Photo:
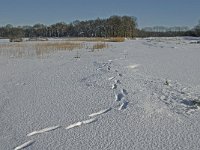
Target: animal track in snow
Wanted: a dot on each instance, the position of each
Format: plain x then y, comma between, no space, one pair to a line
43,130
179,102
117,81
74,125
99,69
20,84
24,145
120,74
108,67
123,105
133,66
78,124
100,112
101,66
178,98
163,97
111,78
114,86
123,91
89,121
118,97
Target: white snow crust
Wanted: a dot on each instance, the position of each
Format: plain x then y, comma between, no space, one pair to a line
151,106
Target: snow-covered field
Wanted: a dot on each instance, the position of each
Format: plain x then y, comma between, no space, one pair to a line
138,94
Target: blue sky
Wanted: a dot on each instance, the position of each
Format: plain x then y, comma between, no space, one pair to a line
147,12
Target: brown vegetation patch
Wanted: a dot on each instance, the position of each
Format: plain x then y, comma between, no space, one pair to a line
37,48
99,46
64,45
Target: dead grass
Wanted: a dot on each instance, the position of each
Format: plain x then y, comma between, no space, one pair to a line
65,45
99,46
12,46
17,50
58,45
40,48
43,48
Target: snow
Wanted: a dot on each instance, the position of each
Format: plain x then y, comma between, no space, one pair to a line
43,130
4,41
59,92
24,145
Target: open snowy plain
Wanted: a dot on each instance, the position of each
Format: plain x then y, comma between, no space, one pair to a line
137,94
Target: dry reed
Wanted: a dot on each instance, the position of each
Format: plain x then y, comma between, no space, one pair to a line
99,46
40,48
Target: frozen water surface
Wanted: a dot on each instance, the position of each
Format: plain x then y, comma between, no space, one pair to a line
140,112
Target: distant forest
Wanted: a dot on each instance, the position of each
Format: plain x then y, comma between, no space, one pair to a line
114,26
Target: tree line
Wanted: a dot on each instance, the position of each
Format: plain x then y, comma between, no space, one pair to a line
161,31
114,26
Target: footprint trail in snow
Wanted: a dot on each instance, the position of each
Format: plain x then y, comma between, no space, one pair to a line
90,121
74,125
43,130
100,112
24,145
114,86
80,123
118,96
123,105
124,92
